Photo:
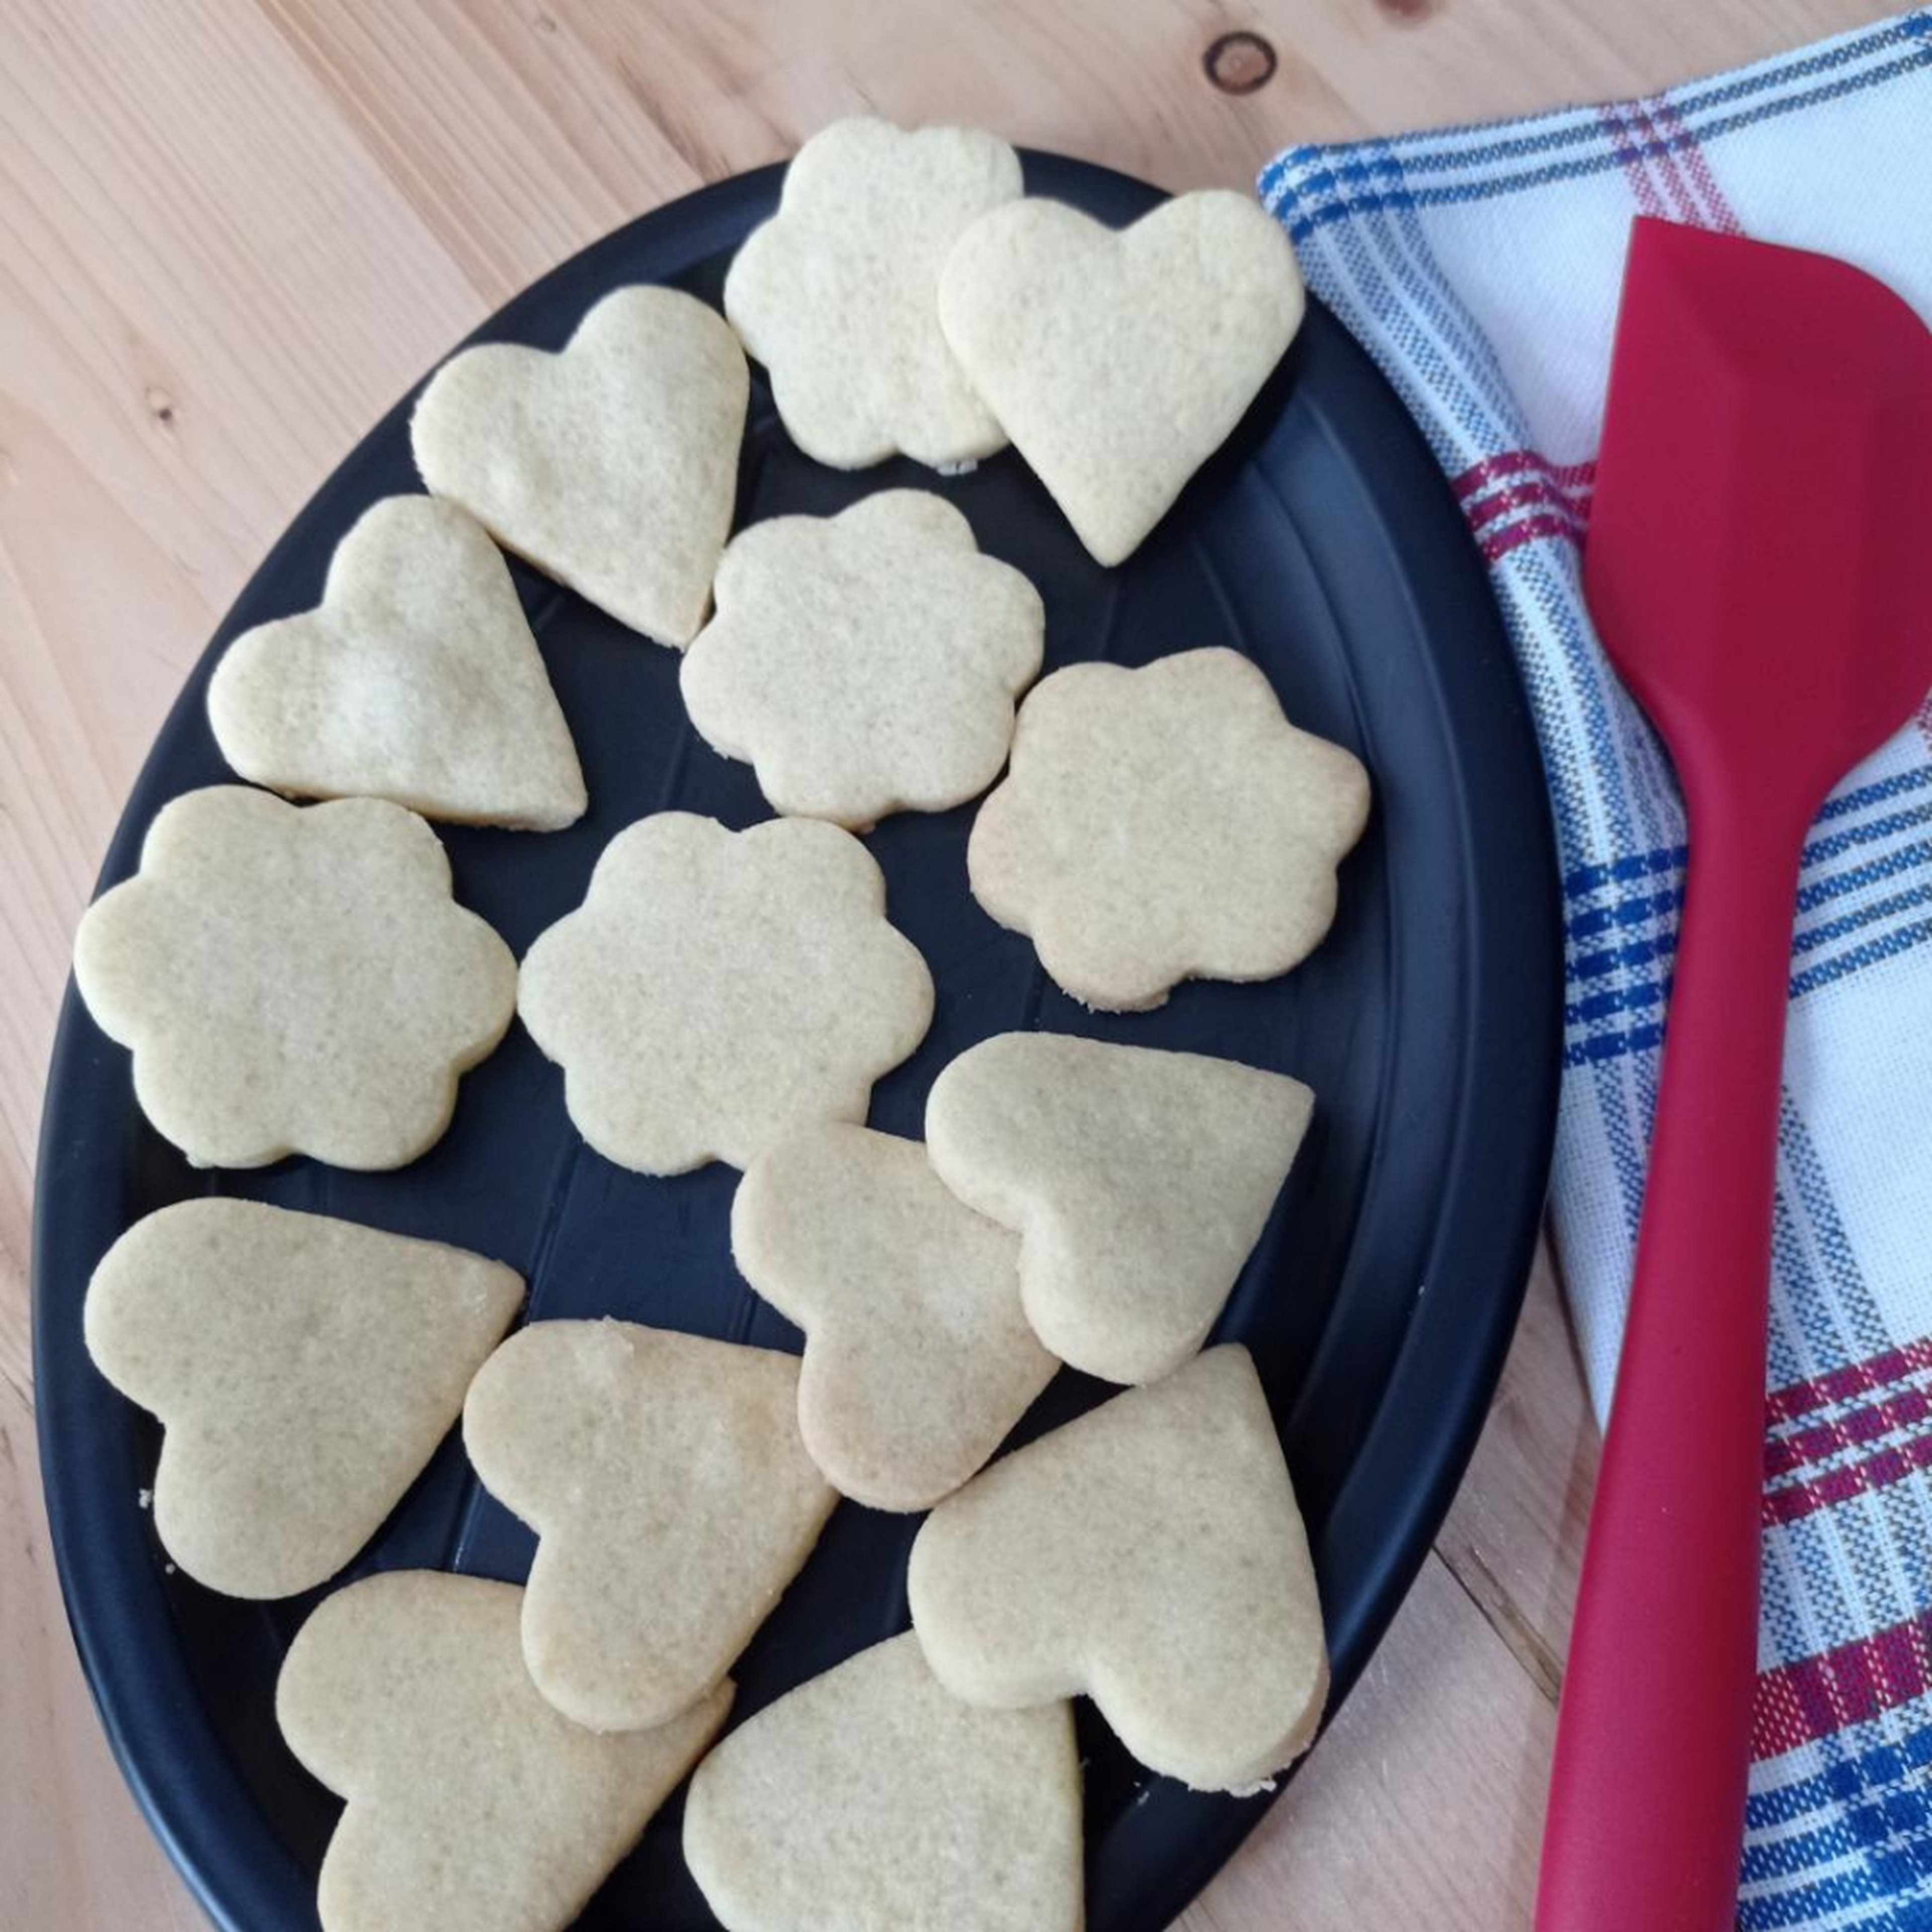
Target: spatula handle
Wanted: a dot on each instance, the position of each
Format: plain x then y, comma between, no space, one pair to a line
1647,1798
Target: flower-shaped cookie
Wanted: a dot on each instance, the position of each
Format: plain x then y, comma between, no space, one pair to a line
1165,824
611,465
837,294
867,662
294,980
718,988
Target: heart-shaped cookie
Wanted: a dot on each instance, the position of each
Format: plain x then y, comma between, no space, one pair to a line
610,465
918,1358
1119,361
868,1800
1151,1555
473,1806
673,1499
303,1369
415,679
1139,1182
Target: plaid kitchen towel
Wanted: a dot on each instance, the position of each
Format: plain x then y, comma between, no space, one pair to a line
1480,267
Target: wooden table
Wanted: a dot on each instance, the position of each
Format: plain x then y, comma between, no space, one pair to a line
232,232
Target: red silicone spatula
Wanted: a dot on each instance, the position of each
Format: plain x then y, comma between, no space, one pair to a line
1759,566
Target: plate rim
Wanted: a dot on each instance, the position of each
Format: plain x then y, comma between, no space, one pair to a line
1454,1361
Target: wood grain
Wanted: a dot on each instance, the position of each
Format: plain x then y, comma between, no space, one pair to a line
232,231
